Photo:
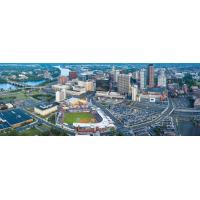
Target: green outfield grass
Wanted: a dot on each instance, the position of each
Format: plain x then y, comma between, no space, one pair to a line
79,117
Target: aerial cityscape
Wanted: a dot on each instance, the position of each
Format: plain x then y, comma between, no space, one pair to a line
100,99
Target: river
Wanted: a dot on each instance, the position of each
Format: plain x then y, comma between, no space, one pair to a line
64,71
8,86
34,83
187,128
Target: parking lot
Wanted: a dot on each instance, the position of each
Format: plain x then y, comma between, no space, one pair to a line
182,102
131,113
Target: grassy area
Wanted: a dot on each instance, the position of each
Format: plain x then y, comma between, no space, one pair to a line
7,99
48,132
21,96
79,117
30,132
17,96
43,97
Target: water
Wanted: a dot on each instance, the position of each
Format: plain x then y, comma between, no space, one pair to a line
187,128
7,86
64,71
34,83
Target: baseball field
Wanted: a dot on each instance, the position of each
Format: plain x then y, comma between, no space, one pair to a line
79,117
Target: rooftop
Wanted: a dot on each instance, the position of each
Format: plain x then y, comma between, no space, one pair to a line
47,106
156,89
11,117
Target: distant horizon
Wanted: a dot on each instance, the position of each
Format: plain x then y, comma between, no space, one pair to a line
136,65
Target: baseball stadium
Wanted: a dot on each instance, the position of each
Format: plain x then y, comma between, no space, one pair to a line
84,118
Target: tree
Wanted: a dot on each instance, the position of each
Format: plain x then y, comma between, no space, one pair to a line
119,134
189,80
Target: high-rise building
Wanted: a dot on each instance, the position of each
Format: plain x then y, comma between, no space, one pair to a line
136,75
151,76
124,84
116,74
72,75
62,80
162,80
60,95
143,79
134,90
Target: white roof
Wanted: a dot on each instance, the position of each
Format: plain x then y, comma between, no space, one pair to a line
106,122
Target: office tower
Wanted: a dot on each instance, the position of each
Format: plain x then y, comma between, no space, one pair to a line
143,79
62,80
113,70
72,75
136,75
124,84
116,74
60,95
134,90
151,76
162,80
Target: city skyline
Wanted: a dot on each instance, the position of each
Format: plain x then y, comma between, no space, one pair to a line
100,98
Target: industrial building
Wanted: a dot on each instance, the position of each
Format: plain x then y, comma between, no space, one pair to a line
14,118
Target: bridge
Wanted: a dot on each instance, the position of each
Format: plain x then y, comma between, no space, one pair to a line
17,84
23,85
186,113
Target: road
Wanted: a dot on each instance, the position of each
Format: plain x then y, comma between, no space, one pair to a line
120,126
189,110
43,121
